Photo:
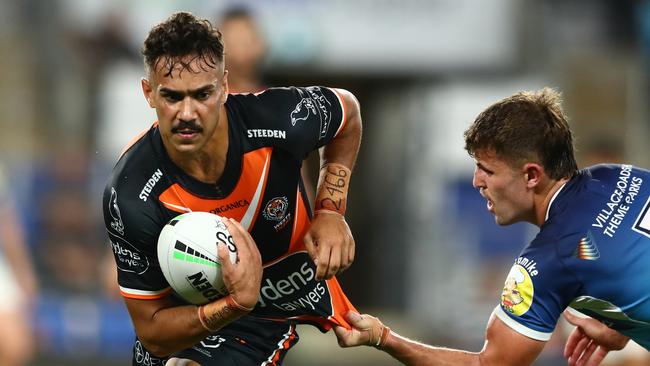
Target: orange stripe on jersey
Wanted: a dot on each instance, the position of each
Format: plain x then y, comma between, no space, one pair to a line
137,138
300,225
340,303
142,296
242,204
344,112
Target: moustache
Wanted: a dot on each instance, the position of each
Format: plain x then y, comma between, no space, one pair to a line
187,126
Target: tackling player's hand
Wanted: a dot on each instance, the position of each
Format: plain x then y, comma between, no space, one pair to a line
366,331
330,244
242,279
590,341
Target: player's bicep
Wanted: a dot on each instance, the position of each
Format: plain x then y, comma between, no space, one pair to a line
505,346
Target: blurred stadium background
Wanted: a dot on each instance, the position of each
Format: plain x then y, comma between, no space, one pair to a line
430,260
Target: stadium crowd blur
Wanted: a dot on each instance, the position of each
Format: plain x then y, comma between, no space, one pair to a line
429,257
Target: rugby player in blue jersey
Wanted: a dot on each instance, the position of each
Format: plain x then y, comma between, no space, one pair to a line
591,253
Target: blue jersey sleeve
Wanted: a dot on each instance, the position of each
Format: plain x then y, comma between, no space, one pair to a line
537,289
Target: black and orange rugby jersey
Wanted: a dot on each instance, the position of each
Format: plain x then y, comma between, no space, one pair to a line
270,133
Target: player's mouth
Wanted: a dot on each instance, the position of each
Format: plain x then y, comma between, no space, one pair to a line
490,205
187,131
187,134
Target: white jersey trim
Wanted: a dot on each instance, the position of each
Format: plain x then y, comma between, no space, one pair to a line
548,209
520,328
341,103
132,291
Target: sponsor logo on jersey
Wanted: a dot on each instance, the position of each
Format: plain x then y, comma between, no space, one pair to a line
314,104
148,187
294,292
518,291
114,210
642,223
229,206
276,134
276,210
587,248
128,258
620,201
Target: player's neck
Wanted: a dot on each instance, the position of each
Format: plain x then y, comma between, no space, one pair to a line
544,200
208,164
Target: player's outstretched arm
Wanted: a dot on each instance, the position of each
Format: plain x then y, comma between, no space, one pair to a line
329,240
503,346
590,341
165,328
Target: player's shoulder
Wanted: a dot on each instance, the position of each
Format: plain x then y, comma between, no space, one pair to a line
612,173
137,157
138,171
130,205
283,97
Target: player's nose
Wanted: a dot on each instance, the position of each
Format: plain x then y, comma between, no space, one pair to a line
477,180
188,110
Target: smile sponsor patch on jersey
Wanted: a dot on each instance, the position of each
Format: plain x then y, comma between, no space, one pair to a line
518,291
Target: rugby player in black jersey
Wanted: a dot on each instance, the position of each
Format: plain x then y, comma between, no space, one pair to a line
238,156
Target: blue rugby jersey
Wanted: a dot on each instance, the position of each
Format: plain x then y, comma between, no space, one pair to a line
592,254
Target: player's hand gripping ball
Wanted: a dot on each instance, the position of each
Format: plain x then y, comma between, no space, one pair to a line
187,252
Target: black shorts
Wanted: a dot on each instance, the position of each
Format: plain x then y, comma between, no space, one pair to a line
247,341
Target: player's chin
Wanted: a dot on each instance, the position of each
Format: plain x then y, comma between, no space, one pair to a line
503,221
186,147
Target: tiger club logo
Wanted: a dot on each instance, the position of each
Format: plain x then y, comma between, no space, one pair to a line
276,210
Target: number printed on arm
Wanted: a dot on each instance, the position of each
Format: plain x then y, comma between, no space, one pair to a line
333,188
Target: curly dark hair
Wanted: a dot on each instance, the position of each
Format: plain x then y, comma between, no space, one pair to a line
181,35
527,126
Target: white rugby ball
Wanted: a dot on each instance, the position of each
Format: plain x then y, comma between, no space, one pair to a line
187,252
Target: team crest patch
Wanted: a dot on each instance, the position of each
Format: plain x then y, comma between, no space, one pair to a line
276,209
518,291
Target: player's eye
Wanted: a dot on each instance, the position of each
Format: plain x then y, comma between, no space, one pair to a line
202,95
172,97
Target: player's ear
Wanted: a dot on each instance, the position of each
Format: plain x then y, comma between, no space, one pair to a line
224,87
147,90
533,173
